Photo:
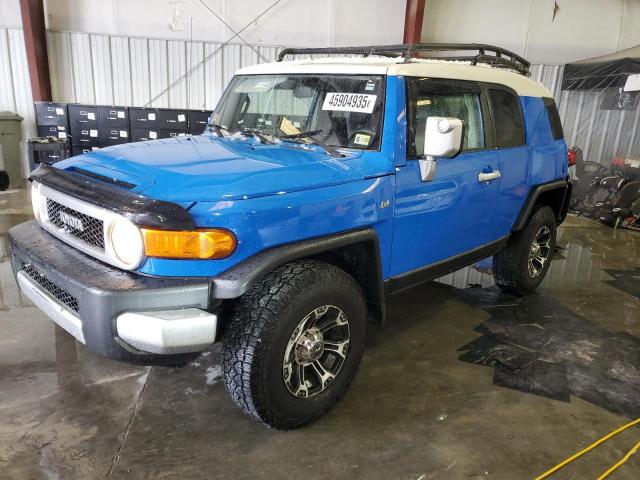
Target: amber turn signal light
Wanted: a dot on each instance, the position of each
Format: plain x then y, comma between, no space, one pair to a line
198,244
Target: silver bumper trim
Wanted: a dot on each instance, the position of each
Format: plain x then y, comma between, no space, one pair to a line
59,314
168,331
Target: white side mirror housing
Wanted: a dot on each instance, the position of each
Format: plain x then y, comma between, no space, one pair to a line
442,137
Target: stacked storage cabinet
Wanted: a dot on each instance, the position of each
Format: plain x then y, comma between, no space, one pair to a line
113,125
198,120
52,119
90,127
144,124
83,121
172,122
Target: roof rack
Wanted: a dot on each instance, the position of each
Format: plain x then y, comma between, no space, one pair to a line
486,54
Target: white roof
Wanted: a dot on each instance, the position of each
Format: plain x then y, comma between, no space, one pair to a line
395,66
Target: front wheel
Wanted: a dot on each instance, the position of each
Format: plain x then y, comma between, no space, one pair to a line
294,343
523,263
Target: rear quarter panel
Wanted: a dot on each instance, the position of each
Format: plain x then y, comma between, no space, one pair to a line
542,160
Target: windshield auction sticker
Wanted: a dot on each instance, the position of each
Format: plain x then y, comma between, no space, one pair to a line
349,102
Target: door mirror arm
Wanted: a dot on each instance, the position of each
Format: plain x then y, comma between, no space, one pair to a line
427,167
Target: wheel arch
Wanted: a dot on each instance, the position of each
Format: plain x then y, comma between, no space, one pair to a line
555,194
357,252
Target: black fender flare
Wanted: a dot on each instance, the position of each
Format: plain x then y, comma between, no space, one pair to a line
236,281
532,199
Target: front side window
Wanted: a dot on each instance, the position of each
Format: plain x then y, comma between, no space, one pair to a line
345,110
428,100
507,118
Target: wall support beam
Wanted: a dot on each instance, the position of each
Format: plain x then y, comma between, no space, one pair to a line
35,42
413,17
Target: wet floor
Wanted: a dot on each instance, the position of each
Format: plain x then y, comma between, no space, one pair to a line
419,408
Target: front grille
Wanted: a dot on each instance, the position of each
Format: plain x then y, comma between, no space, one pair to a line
79,225
61,295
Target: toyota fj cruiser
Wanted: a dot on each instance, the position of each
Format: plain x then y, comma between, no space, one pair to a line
320,188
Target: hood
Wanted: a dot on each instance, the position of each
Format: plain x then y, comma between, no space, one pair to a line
209,168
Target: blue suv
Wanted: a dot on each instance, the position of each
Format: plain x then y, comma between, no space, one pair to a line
320,188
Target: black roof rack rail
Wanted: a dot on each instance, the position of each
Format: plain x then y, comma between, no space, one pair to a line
486,54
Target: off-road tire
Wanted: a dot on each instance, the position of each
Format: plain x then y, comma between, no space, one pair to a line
260,328
510,266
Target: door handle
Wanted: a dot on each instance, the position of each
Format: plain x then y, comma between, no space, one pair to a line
487,177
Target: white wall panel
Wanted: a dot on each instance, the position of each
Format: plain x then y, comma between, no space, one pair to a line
543,31
289,22
102,78
140,73
15,89
159,74
121,70
196,85
81,67
177,66
109,69
7,98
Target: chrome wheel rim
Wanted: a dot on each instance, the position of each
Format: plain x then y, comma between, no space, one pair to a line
539,252
316,351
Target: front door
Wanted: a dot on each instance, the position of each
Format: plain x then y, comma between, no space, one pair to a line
453,213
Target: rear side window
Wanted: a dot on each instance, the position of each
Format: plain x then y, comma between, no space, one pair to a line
554,118
507,118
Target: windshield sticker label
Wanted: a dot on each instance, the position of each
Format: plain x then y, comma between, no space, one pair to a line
151,116
182,118
370,86
349,102
91,116
153,135
59,111
362,139
289,128
120,114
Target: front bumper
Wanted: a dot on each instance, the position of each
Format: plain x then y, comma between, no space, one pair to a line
119,314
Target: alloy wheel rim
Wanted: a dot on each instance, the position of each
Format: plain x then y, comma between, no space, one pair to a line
539,252
316,351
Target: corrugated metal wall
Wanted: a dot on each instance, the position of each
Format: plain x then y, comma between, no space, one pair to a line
15,88
119,70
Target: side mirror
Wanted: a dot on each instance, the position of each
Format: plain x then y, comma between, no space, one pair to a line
442,139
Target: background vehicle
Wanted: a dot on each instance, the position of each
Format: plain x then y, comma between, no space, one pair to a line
323,187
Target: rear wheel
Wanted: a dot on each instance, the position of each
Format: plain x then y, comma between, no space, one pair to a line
294,343
523,263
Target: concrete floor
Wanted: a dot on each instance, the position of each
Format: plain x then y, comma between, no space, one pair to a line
415,410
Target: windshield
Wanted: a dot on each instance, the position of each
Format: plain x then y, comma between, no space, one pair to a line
340,110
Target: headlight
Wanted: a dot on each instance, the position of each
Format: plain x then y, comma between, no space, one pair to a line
126,242
199,244
36,200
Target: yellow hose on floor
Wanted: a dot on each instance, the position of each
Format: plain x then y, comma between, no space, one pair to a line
621,462
563,464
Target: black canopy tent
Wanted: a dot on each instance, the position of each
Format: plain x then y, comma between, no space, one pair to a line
599,115
602,72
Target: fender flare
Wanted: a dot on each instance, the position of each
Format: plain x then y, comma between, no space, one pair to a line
562,184
236,281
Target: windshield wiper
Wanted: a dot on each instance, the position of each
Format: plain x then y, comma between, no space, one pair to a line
217,128
252,132
310,135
